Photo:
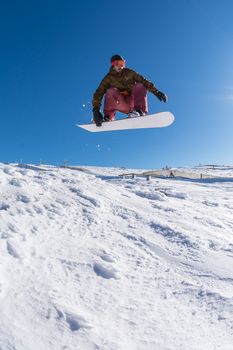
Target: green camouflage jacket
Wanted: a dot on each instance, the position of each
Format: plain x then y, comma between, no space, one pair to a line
123,80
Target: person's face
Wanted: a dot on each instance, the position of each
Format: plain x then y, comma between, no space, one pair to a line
118,65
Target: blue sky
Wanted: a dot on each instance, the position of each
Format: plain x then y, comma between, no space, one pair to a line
53,55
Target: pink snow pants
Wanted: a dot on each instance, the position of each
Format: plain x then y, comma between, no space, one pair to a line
114,100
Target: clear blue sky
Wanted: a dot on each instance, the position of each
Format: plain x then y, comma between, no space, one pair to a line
53,55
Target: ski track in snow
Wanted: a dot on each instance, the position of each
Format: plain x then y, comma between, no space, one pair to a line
89,260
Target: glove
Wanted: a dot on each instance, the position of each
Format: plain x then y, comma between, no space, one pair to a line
97,116
161,96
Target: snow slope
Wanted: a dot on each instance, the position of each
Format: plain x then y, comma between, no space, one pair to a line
89,260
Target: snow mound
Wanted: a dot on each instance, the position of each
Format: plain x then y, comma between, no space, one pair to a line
90,260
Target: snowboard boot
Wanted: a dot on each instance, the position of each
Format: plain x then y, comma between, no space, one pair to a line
107,118
133,114
140,111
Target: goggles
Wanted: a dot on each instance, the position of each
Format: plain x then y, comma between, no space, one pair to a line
119,63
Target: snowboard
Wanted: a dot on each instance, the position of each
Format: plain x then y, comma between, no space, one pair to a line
157,120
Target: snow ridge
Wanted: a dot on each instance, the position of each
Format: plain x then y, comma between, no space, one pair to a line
89,260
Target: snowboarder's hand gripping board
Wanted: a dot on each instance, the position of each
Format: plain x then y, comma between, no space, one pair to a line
157,120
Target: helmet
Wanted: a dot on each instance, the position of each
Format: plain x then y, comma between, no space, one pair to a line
118,62
117,58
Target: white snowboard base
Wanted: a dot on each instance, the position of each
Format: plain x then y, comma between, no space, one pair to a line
157,120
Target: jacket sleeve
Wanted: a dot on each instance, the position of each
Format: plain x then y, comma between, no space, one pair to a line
99,93
147,83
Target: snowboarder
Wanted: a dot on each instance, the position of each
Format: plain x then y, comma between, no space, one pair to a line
125,91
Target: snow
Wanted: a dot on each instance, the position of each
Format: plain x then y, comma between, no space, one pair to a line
90,260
